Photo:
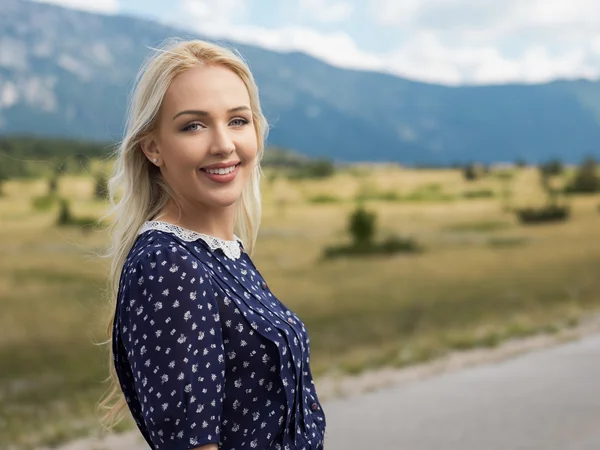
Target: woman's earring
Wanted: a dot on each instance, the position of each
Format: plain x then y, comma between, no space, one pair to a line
155,160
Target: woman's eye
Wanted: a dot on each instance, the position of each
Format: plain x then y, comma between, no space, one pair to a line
192,127
239,122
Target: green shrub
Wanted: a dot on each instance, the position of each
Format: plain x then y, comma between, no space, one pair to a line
64,213
504,174
53,185
472,172
480,193
396,244
320,168
101,187
361,226
3,177
389,196
66,218
520,163
586,180
552,168
548,213
324,198
429,193
391,245
43,202
482,226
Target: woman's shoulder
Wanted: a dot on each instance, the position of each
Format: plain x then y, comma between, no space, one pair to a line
160,251
161,267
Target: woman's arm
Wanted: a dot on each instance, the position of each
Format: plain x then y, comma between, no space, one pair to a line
172,333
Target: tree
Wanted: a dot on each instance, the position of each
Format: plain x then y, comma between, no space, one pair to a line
53,185
586,179
64,213
101,187
552,168
472,172
362,226
520,163
322,168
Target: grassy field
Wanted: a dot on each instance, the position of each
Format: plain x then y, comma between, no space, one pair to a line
482,278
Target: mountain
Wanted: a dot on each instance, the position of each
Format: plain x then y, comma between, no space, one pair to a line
68,73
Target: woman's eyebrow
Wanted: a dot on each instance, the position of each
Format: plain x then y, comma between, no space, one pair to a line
198,112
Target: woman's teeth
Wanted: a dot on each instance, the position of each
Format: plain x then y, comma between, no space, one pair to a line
223,171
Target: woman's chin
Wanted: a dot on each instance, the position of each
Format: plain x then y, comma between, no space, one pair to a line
224,200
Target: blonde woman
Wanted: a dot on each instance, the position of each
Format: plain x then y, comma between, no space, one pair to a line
203,353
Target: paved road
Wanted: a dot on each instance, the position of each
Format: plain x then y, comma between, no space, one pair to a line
546,400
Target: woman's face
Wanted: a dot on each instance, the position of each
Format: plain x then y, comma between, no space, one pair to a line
205,119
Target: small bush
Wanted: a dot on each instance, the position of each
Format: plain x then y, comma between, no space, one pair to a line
361,226
64,213
43,202
66,218
389,246
324,198
549,213
320,168
520,163
586,179
552,168
101,187
3,178
481,193
428,196
53,185
504,174
472,172
396,244
388,196
483,226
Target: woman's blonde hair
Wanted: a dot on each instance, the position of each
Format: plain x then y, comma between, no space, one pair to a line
142,191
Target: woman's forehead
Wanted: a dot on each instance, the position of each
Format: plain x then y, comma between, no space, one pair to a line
206,87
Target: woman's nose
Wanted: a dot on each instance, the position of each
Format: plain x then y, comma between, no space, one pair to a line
222,142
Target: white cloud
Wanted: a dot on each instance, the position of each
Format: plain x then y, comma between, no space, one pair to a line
98,6
441,41
393,12
337,47
494,15
327,11
487,41
213,13
425,57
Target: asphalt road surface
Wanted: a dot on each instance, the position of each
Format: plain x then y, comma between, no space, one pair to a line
545,400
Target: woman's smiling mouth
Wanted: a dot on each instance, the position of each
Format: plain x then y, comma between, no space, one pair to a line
221,174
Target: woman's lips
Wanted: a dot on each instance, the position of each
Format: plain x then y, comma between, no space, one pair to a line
226,178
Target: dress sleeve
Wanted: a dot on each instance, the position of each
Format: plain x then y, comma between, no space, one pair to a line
172,333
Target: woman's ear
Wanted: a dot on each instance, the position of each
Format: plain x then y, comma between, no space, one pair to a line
150,148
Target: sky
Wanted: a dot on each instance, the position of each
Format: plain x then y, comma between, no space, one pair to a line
452,42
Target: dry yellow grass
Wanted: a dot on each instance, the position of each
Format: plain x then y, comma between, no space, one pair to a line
462,291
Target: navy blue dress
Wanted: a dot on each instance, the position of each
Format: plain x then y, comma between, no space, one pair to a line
205,353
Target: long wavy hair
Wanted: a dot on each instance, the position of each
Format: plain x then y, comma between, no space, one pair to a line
137,191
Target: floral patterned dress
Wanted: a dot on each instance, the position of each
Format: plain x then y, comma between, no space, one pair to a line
205,352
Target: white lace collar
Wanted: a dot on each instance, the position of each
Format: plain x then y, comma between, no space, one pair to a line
231,249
